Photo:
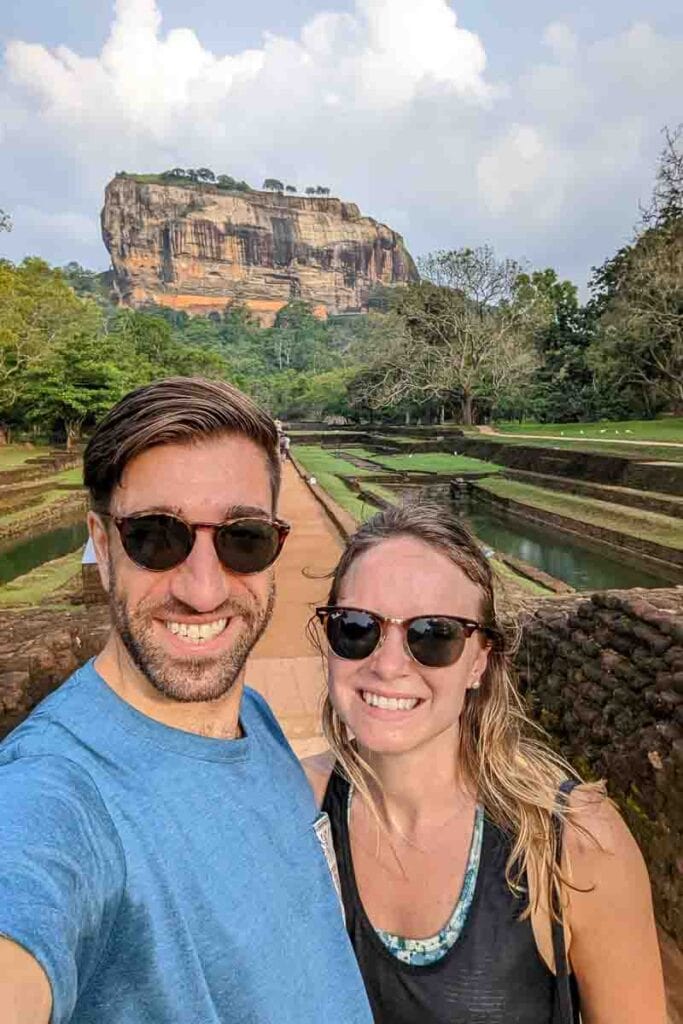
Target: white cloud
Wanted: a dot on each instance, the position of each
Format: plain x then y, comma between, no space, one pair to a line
69,224
391,105
562,40
517,169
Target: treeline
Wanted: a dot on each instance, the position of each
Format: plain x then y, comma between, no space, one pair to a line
67,353
205,176
477,338
483,338
191,176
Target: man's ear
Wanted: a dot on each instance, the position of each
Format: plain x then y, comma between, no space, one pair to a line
100,538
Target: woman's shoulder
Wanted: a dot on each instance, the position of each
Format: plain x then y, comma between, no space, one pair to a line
318,768
594,827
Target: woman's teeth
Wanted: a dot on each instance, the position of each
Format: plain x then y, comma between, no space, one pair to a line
197,633
389,703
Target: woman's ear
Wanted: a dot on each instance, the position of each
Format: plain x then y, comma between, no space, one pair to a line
100,538
479,667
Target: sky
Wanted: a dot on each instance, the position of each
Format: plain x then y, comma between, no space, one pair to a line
532,126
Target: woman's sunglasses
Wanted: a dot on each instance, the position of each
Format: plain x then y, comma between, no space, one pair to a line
431,640
158,541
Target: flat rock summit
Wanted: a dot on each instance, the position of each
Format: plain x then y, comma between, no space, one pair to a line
199,248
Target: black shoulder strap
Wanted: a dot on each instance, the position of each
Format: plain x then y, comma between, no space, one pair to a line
566,991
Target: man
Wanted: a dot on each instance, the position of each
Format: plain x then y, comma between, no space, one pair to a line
160,858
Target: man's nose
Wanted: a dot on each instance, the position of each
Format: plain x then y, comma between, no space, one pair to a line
391,659
202,582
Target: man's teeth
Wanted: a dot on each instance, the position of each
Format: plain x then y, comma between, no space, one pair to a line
389,703
197,633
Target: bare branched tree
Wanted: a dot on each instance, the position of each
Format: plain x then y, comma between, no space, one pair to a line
666,204
477,273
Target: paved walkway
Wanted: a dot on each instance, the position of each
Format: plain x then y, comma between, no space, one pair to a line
285,667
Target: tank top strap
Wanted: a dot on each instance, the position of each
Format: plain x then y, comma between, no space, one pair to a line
567,994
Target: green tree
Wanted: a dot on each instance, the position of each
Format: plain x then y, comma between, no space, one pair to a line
205,174
273,185
83,376
563,386
638,299
5,221
299,340
38,311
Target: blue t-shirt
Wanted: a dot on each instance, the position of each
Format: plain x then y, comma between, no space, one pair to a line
159,876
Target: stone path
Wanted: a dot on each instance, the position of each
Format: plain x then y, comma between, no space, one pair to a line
285,667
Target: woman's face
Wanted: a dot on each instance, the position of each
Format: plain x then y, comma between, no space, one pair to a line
401,578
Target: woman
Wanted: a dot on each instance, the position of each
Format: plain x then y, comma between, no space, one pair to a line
479,887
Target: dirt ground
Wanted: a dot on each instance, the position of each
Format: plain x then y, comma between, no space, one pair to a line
285,666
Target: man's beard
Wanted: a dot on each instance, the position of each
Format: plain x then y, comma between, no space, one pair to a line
187,679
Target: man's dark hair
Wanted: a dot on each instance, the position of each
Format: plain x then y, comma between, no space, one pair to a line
178,410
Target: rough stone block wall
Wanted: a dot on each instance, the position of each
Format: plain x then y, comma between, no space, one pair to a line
93,591
604,676
39,651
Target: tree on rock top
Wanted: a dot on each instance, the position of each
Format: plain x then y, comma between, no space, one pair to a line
273,185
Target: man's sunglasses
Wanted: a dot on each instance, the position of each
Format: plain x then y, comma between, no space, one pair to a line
158,541
432,640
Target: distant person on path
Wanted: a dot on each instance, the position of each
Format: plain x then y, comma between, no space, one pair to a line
478,883
161,856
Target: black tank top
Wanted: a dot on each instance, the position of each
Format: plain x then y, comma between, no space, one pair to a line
493,974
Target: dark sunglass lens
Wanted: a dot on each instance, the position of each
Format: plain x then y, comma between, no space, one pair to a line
352,634
247,546
436,641
156,542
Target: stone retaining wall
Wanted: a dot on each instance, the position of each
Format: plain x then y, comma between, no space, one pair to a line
604,676
52,514
39,650
41,466
666,560
663,504
666,478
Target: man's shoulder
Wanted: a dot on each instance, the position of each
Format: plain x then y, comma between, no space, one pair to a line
257,710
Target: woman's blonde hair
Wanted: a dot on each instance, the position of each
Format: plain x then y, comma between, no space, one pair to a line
515,775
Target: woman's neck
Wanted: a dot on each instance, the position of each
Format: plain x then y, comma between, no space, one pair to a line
421,789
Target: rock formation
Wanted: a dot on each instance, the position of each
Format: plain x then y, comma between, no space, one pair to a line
198,248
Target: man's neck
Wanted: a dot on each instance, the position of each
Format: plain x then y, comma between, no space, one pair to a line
216,718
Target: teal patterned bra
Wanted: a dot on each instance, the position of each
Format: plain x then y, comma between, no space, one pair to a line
422,952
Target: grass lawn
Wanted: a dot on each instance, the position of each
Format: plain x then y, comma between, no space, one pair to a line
381,492
42,581
70,477
669,428
326,468
14,455
635,522
430,462
640,452
318,460
509,575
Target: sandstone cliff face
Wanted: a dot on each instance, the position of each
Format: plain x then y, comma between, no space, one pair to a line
200,248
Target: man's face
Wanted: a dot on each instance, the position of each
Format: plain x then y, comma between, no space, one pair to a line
210,481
